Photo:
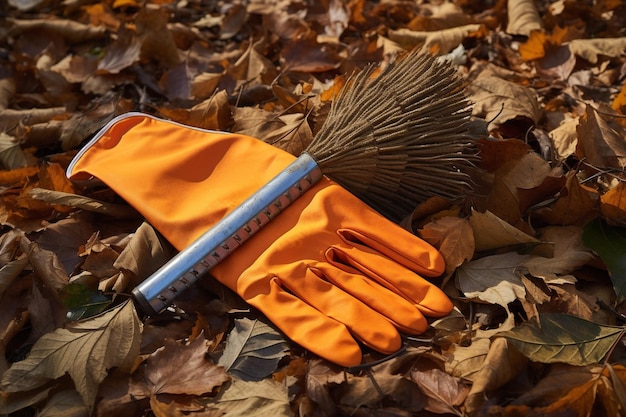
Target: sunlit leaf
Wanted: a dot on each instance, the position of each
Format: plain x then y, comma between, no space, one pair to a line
84,350
563,338
613,205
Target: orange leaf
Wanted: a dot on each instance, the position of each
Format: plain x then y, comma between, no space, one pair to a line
619,103
613,205
575,205
17,175
534,47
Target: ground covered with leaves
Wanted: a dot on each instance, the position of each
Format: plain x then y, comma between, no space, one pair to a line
536,258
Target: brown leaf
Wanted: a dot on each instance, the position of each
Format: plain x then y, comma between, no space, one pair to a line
233,21
601,140
503,363
575,205
592,49
85,350
46,266
307,55
289,132
453,237
184,369
157,41
85,203
70,30
569,254
500,101
566,390
124,52
319,376
440,41
146,252
523,17
214,113
491,232
445,393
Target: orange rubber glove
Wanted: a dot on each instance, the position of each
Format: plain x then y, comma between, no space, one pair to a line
328,271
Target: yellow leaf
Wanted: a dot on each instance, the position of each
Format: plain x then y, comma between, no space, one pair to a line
534,47
619,102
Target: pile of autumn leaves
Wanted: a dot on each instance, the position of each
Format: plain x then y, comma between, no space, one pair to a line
535,260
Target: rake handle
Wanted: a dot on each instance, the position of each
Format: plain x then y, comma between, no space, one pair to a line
160,289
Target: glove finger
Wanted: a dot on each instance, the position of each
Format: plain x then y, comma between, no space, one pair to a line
402,313
399,245
427,297
365,324
307,326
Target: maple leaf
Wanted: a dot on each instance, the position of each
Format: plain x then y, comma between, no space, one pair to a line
85,350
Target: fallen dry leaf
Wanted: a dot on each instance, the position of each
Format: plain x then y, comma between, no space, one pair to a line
523,18
85,350
183,369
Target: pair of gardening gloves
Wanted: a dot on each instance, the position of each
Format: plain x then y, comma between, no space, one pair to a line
329,272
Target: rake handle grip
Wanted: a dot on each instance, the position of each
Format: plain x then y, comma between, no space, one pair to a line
160,289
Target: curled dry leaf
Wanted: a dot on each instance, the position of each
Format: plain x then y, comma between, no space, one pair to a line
440,41
523,17
499,101
501,364
592,49
601,140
